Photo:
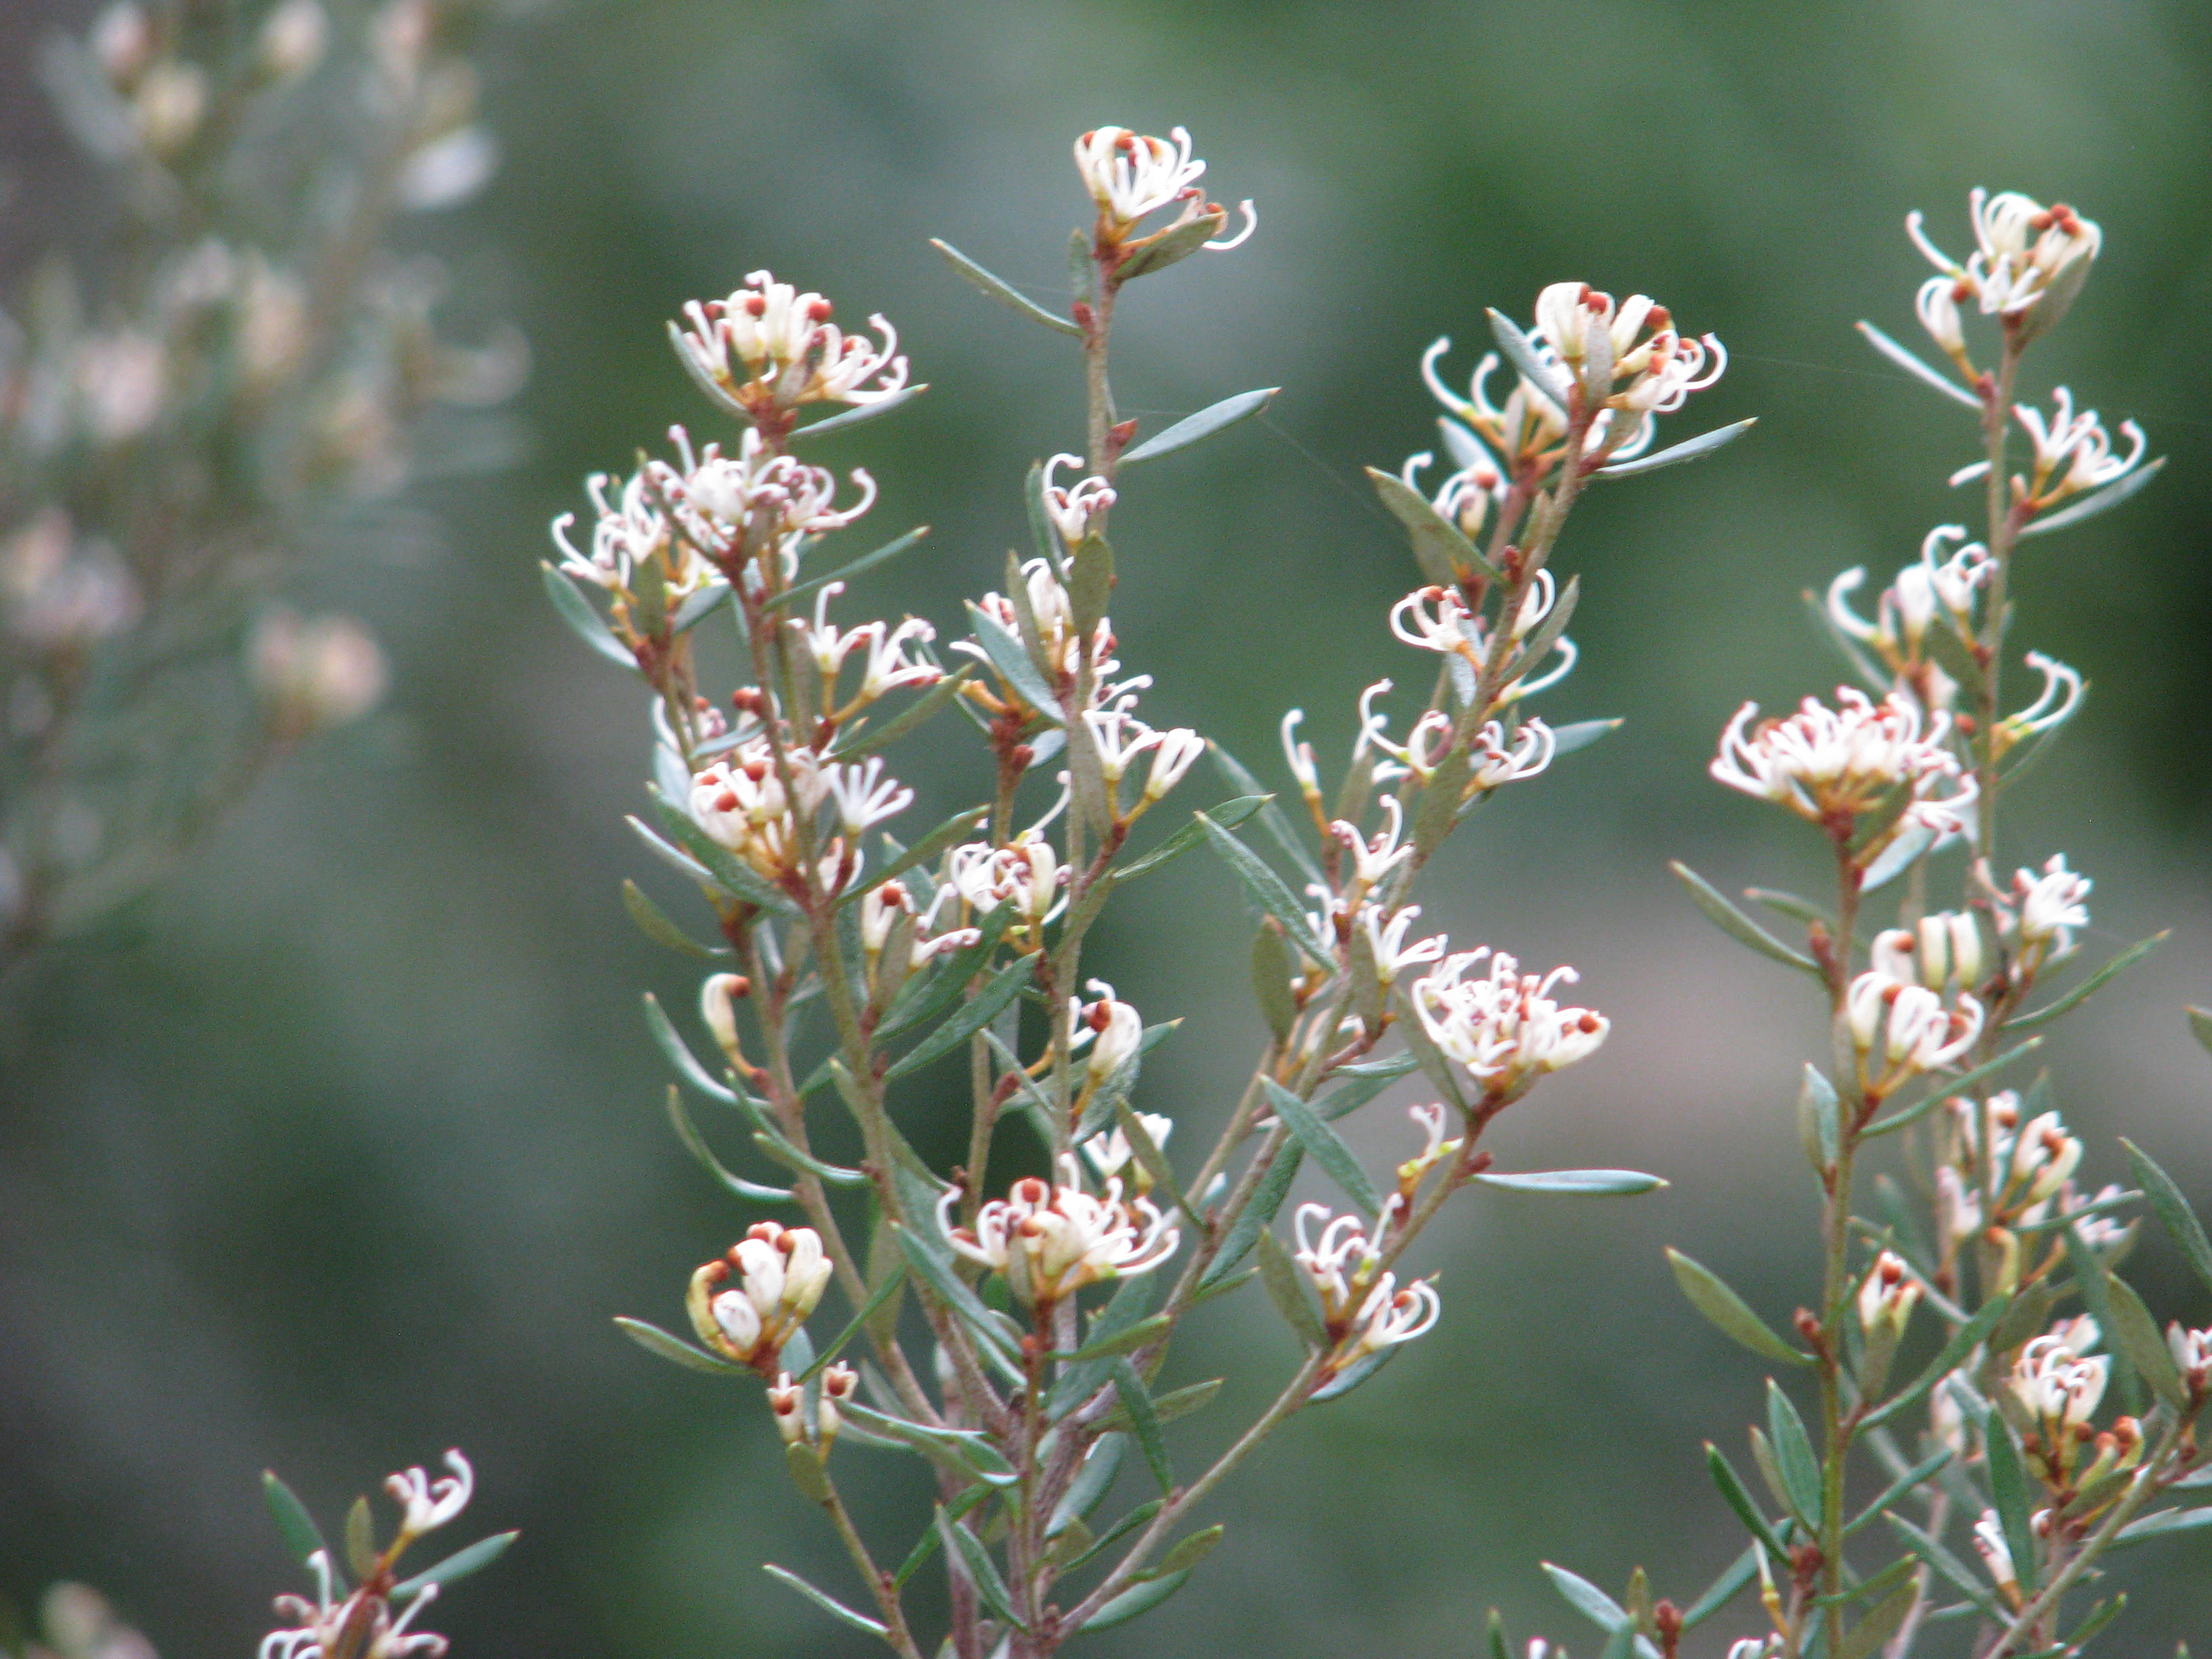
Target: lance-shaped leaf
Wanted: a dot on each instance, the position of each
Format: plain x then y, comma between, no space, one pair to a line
696,1143
965,1451
2132,1331
1736,925
1012,662
1586,1184
1003,291
1712,1298
936,1272
1947,1567
861,414
1324,1146
1968,1337
2172,1211
829,1604
714,392
1949,1088
1880,1622
655,926
1265,887
1271,969
1274,1186
587,624
2200,1026
978,1569
676,1350
1091,1483
1896,1491
1724,1589
2087,988
1286,1289
1445,555
1587,1599
1739,1499
1272,818
2096,501
1144,1419
1204,424
893,1278
457,1565
921,709
1089,582
1521,351
679,1056
1166,248
923,997
1920,371
1689,449
722,867
2162,1524
1140,1597
2008,1492
681,862
1433,1061
1580,734
1354,1374
1176,1403
1001,989
1228,815
845,573
294,1524
1361,1086
1794,1457
700,606
1820,1125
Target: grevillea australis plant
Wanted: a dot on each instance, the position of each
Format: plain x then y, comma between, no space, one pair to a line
1012,1333
1978,1408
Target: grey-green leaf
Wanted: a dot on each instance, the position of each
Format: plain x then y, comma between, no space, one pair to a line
676,1350
1590,1183
294,1524
1204,424
584,622
1689,449
1325,1147
2172,1211
457,1565
1003,291
1712,1298
1736,925
1267,889
1920,371
829,1604
1521,351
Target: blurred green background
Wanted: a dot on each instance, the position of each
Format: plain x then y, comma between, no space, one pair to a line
347,1148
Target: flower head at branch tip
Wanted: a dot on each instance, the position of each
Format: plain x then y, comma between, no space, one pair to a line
2020,246
430,1503
781,1271
1072,510
1829,765
756,504
1906,1028
1051,1240
1635,343
1131,176
2058,1386
1504,1027
770,349
1363,1313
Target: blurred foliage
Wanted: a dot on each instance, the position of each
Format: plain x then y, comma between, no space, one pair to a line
347,1148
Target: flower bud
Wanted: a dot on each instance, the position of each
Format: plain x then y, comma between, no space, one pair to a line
716,997
787,1399
838,1383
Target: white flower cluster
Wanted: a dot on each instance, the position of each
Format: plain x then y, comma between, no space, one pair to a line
781,1272
743,803
768,348
1131,176
2021,247
1503,1026
1829,765
1362,1311
1050,1240
360,1622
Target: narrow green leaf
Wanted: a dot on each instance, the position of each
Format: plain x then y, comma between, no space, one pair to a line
937,1273
1353,1375
1739,1499
914,716
1270,982
925,998
360,1540
926,1544
1204,424
1122,1529
845,573
1191,1551
1228,815
1286,1289
1736,925
1324,1146
1908,1482
829,1604
893,1278
1267,1198
1445,555
1176,1403
1143,1420
1089,582
1138,1598
1001,989
457,1565
1272,818
583,620
981,1571
1432,1061
656,927
1880,1622
1266,888
953,830
294,1524
1689,449
678,1054
2172,1211
2162,1524
1793,1454
2200,1026
1586,1598
1724,1589
2008,1493
700,606
721,865
696,1143
1091,1483
2081,993
1920,371
1361,1087
1003,291
2130,1329
1580,734
1165,247
861,414
676,1350
1710,1296
1521,351
1947,1567
2096,501
1012,662
1945,1089
1546,633
1594,1184
682,862
1968,1337
1500,1647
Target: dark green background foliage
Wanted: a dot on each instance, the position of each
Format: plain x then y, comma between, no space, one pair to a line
347,1149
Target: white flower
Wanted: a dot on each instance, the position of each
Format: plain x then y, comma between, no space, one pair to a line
121,378
2072,451
1374,859
2053,706
1606,345
1527,429
1119,737
755,502
2037,1161
771,347
2042,911
430,1503
2192,1353
292,39
1908,1026
1946,946
629,531
1465,497
1829,765
2020,244
740,801
1129,175
1055,615
1392,955
1435,1147
1504,1027
1908,605
1362,1316
716,997
1112,1028
864,795
1997,1555
58,594
1300,755
1178,750
361,1624
1051,1241
1888,1295
1110,1153
781,1271
1073,509
2059,1388
1454,630
1958,1204
1027,874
